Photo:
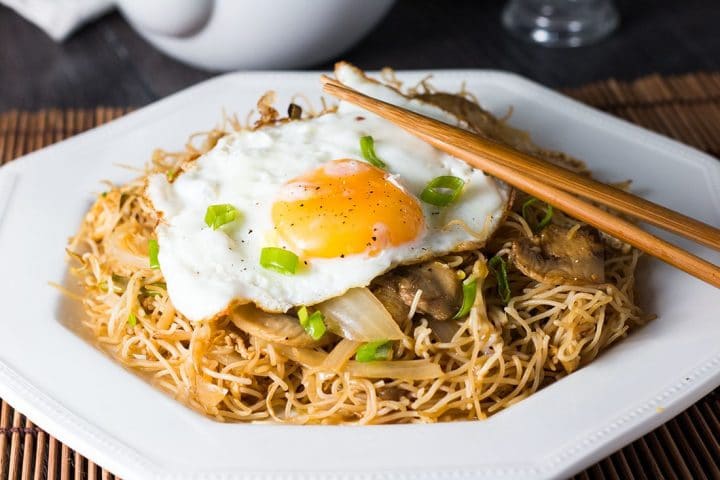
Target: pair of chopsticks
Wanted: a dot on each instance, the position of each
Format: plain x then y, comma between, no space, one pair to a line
556,186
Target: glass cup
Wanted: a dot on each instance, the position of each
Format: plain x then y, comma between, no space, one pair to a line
560,23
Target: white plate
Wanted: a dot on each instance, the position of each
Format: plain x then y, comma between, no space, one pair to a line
115,418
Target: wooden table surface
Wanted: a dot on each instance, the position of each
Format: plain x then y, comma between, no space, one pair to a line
107,63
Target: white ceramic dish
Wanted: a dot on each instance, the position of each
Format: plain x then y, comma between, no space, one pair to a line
114,417
252,34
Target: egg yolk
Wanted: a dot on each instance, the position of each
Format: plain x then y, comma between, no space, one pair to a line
345,207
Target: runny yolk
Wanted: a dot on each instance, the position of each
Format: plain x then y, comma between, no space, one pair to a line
345,207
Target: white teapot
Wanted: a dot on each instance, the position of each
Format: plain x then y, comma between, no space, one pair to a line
253,34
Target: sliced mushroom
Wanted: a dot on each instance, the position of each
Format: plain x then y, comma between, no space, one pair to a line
615,243
441,296
385,288
277,328
560,256
393,394
479,120
443,331
483,122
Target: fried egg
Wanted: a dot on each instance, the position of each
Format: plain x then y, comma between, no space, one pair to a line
305,187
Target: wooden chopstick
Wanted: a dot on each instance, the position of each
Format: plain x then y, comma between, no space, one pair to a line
466,146
572,182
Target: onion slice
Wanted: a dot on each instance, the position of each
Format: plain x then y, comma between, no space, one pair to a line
276,328
359,316
119,247
305,356
209,394
408,370
396,369
339,355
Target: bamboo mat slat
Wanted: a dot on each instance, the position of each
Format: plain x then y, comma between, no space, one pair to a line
685,107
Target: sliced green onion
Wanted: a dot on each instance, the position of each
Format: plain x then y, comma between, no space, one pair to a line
153,251
442,191
294,111
549,212
525,207
501,276
469,293
218,215
372,351
303,315
132,320
367,147
279,259
546,219
314,324
153,289
171,174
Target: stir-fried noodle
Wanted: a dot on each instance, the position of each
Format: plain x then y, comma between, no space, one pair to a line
498,354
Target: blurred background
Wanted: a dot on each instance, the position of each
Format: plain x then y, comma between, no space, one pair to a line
106,62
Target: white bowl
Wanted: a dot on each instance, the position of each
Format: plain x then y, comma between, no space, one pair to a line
252,34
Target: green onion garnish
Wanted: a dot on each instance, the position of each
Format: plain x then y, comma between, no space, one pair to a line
367,147
218,215
153,250
442,191
279,259
294,111
372,351
501,275
469,293
545,220
132,320
314,324
153,289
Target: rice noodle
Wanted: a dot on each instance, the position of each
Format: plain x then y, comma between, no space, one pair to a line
400,369
453,370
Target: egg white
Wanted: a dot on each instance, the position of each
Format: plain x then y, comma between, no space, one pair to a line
206,270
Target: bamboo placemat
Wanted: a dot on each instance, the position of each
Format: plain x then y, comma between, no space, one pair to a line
684,107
